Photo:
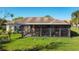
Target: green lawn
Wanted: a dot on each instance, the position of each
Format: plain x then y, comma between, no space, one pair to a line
43,43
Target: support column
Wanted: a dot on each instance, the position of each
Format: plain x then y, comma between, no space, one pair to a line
50,31
69,34
59,32
30,28
40,31
53,31
33,30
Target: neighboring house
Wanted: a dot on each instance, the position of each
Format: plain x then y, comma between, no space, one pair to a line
41,26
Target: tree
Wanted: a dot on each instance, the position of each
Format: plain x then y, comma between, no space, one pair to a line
75,17
2,22
18,18
8,15
47,16
3,18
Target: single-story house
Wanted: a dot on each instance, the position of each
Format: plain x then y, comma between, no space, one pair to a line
40,26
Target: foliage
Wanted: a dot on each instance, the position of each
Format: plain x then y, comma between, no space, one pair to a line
18,18
75,17
2,21
47,16
4,39
12,15
7,14
3,36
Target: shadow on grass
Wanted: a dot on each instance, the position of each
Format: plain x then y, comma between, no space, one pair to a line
1,44
74,34
2,48
52,45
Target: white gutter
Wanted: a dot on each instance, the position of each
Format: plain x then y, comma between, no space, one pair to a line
44,23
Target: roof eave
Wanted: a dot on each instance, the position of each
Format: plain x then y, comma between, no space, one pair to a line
44,23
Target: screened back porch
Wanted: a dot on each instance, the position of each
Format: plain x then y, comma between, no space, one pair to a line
47,30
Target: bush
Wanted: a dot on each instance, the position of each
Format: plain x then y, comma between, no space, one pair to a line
4,39
3,36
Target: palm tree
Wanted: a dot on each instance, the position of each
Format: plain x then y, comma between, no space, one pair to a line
6,15
9,33
75,17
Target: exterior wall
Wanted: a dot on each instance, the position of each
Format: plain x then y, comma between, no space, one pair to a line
10,27
7,28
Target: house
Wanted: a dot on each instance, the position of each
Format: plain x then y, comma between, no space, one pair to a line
41,26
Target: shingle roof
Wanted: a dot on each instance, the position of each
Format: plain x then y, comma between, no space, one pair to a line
40,20
35,20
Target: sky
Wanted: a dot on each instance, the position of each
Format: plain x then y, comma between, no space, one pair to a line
61,13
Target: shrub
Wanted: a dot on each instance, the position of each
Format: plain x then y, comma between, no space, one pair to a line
4,39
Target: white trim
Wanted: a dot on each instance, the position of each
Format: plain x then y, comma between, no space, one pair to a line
44,23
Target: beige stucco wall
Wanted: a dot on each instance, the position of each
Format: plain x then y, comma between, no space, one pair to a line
10,27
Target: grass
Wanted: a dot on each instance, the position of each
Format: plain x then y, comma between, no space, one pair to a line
43,43
32,42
